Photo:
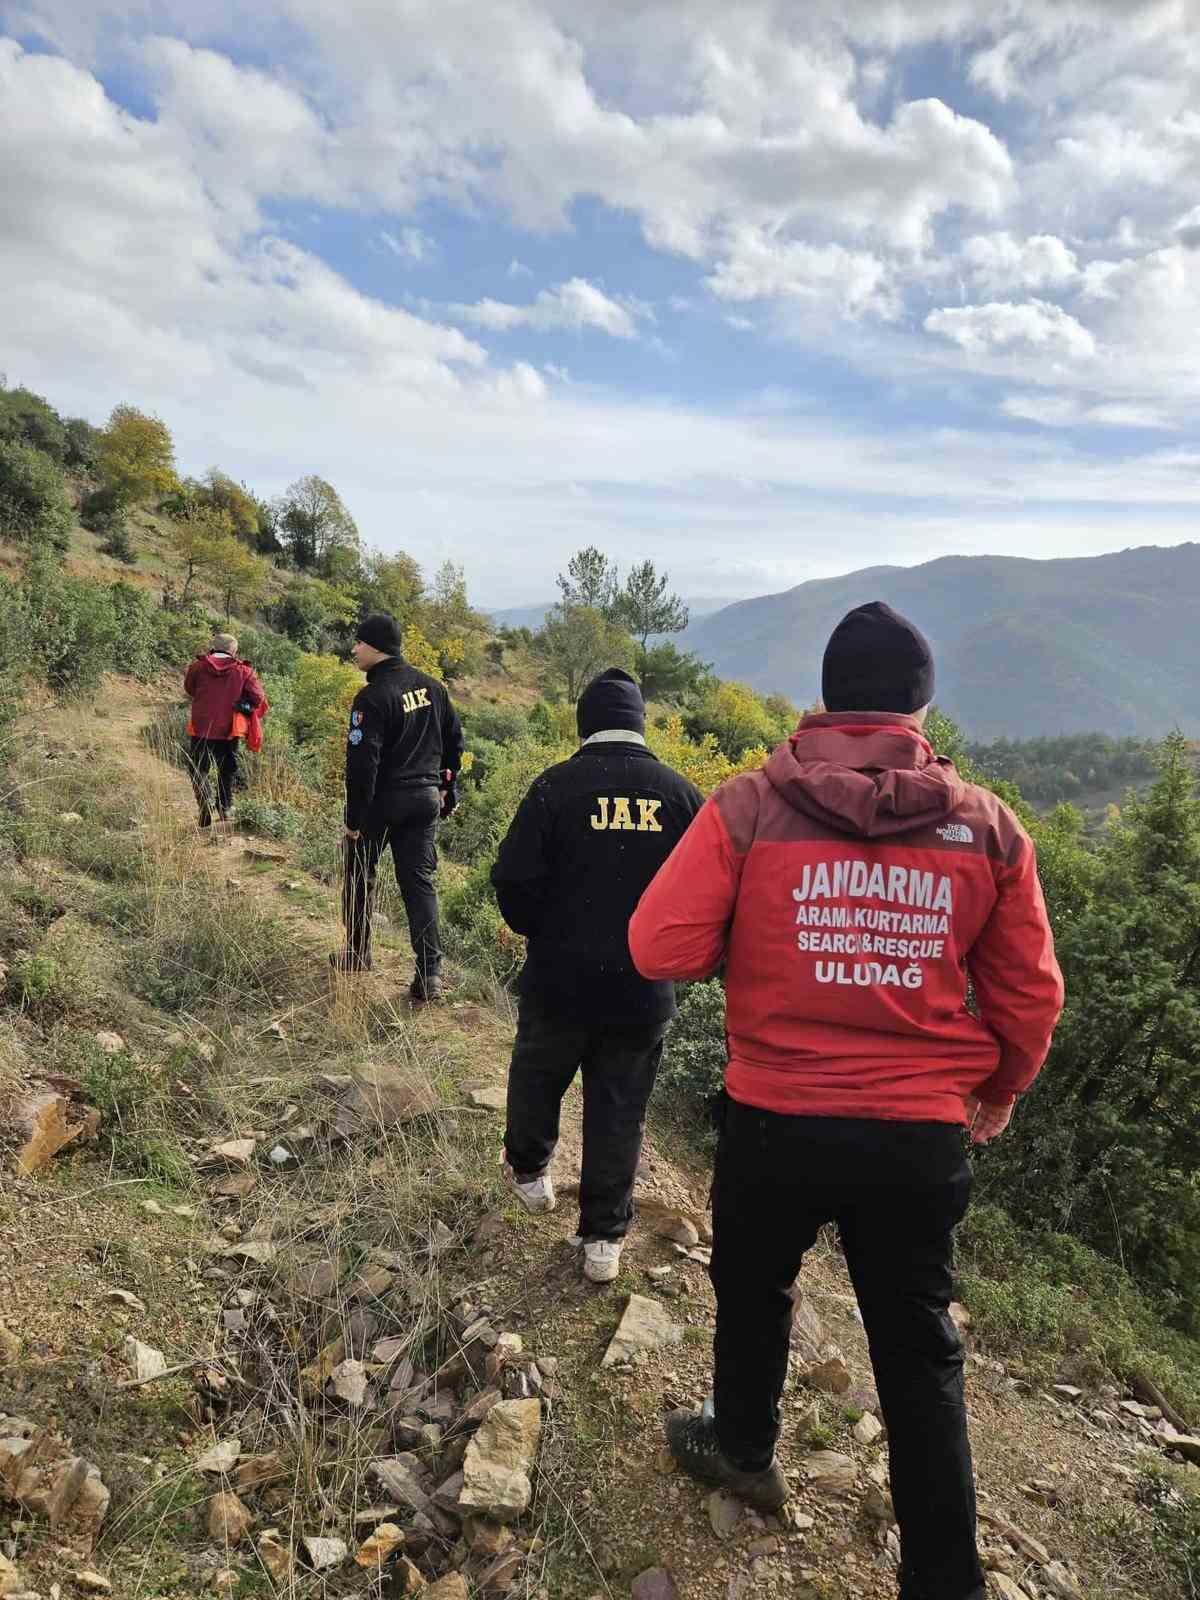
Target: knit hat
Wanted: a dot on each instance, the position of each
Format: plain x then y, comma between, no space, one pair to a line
381,632
225,642
876,660
613,700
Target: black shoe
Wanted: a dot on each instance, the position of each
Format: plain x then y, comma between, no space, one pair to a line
425,988
692,1440
343,961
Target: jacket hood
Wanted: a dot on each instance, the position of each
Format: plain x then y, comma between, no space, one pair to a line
865,773
220,664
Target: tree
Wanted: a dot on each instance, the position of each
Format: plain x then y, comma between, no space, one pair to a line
1108,1143
446,617
736,718
25,418
591,579
672,674
315,525
392,584
309,610
237,500
83,443
136,455
34,504
195,537
645,607
577,643
237,574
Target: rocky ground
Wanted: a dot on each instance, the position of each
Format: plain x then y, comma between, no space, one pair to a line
268,1323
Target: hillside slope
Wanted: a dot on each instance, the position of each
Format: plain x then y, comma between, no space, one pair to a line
1023,647
385,1243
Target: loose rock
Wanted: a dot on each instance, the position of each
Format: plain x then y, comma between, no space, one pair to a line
41,1120
1061,1581
383,1543
229,1521
830,1375
867,1429
679,1230
348,1381
828,1472
500,1458
146,1361
656,1584
382,1097
724,1513
489,1097
275,1555
111,1043
11,1581
644,1326
324,1554
219,1457
452,1587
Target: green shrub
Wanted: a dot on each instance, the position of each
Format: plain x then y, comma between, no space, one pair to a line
476,933
25,418
270,654
35,981
272,819
103,510
118,546
693,1069
34,503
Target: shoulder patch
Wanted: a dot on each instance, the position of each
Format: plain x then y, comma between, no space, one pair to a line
355,736
356,719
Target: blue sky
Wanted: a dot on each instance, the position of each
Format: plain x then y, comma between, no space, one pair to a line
765,292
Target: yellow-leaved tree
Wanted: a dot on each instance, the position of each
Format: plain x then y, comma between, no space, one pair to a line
136,455
322,691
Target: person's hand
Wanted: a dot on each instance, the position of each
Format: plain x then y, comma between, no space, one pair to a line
449,800
353,833
987,1121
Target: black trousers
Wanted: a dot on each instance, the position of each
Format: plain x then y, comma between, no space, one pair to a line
411,835
896,1192
620,1064
203,754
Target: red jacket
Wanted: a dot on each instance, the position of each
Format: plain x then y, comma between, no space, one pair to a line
852,885
216,682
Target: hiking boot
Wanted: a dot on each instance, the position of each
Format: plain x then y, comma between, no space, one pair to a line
343,961
535,1194
601,1259
692,1440
425,988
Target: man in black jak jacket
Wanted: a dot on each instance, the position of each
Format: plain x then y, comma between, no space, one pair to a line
403,752
585,842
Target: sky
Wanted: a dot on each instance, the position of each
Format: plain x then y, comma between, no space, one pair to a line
765,291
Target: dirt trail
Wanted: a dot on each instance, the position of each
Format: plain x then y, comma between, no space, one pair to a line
610,1505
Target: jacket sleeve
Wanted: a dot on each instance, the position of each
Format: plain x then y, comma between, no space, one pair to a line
1017,980
189,679
524,863
252,689
364,747
452,739
681,925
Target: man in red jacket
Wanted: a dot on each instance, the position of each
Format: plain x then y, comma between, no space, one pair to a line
852,886
219,685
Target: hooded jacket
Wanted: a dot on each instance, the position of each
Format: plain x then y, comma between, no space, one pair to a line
216,682
853,885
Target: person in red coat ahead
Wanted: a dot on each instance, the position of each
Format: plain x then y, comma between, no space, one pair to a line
853,886
221,688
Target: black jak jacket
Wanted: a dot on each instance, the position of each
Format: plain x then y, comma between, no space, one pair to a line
403,733
586,840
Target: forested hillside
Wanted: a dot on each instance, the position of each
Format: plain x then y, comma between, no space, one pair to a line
1024,648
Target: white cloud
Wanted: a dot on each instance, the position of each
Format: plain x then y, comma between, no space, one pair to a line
1002,325
574,305
999,262
411,245
757,266
518,269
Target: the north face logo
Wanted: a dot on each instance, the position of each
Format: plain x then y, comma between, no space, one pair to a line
956,833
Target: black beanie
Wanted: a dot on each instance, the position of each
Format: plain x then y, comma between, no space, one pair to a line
876,660
381,632
613,700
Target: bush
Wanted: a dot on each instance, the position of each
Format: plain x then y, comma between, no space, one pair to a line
25,418
118,546
693,1069
34,503
103,510
268,653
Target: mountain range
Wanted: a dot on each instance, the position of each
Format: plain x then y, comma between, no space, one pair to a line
1023,647
534,616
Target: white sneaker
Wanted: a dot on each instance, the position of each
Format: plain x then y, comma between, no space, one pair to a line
601,1260
536,1195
